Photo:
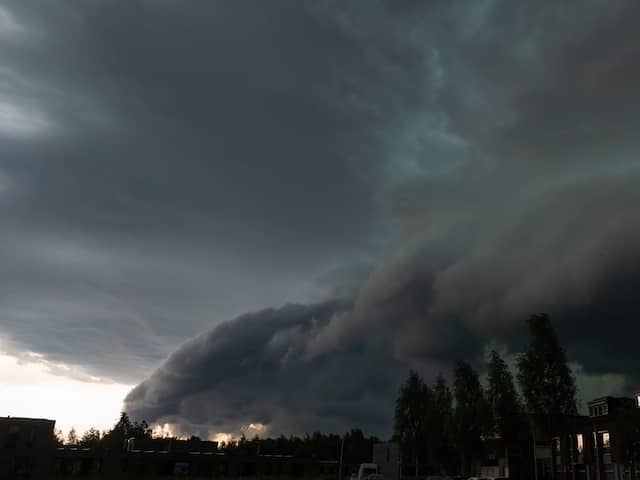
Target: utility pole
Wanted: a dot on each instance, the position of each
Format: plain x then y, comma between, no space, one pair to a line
341,458
596,445
535,453
535,460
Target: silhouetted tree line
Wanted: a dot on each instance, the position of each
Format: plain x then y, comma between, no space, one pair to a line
442,427
357,446
108,440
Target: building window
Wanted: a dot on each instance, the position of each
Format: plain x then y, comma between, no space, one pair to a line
606,440
579,443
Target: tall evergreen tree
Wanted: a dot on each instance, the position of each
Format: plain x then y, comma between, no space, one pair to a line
124,429
90,439
470,414
411,418
72,437
502,398
546,380
441,426
58,437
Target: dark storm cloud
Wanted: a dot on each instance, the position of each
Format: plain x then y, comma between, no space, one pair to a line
451,167
194,126
190,165
512,174
255,370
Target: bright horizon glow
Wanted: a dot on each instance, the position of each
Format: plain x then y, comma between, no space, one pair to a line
30,389
222,437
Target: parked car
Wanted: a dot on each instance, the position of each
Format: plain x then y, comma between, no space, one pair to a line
369,471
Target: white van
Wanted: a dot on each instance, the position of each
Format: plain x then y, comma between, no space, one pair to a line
369,471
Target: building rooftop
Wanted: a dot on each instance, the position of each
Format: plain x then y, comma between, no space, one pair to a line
26,419
607,405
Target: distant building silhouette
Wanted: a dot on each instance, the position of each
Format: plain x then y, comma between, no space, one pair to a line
27,447
387,456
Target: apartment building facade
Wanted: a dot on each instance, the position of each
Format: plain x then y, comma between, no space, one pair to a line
605,445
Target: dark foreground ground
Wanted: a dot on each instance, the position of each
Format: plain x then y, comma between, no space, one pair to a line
128,476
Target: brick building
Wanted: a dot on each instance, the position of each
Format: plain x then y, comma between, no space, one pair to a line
600,446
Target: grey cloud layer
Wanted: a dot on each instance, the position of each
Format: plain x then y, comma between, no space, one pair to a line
451,167
172,171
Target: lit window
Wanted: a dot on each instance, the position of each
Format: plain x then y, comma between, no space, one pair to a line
579,443
606,440
638,399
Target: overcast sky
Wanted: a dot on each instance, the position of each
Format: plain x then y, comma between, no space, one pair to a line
416,176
